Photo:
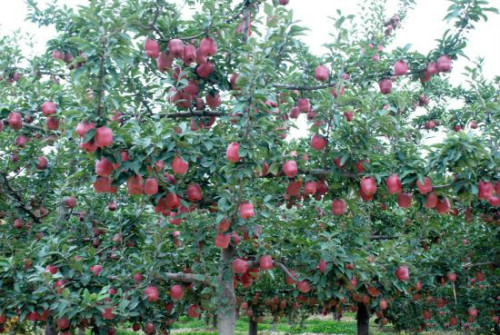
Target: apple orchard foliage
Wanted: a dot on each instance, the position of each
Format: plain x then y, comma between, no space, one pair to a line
146,140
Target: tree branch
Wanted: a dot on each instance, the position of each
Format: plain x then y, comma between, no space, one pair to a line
20,203
188,277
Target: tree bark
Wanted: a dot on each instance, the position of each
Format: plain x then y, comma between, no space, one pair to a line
252,327
363,320
226,314
50,329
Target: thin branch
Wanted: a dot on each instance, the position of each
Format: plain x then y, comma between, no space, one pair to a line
285,269
187,277
20,203
473,265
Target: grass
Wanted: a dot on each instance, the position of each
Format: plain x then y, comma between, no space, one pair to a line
315,325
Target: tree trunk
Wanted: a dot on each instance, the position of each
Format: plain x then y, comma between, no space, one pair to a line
363,320
252,327
226,314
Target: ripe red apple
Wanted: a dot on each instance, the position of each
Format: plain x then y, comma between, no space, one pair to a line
138,278
294,112
135,185
189,56
103,137
432,200
152,48
52,123
303,286
304,105
430,124
240,266
339,207
103,167
485,190
176,292
443,206
394,184
321,73
266,262
194,193
310,187
164,62
15,120
204,70
404,200
426,186
48,108
444,64
246,210
293,188
368,186
149,328
69,202
383,304
21,141
400,68
213,101
403,273
233,152
176,48
385,86
151,186
194,311
322,265
336,91
179,166
349,116
284,2
318,142
63,323
42,163
151,293
290,168
224,226
208,47
96,269
19,224
222,240
494,201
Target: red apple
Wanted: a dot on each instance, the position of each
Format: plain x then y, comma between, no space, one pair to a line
310,187
400,68
69,202
322,265
151,186
426,186
152,48
103,167
151,293
403,273
164,62
404,200
204,70
303,286
179,166
318,142
233,152
48,108
385,86
290,168
349,116
208,47
368,186
42,163
15,120
394,184
432,200
176,48
135,185
177,292
266,262
96,269
194,193
189,56
485,190
321,73
240,266
444,64
304,105
103,137
246,210
339,207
